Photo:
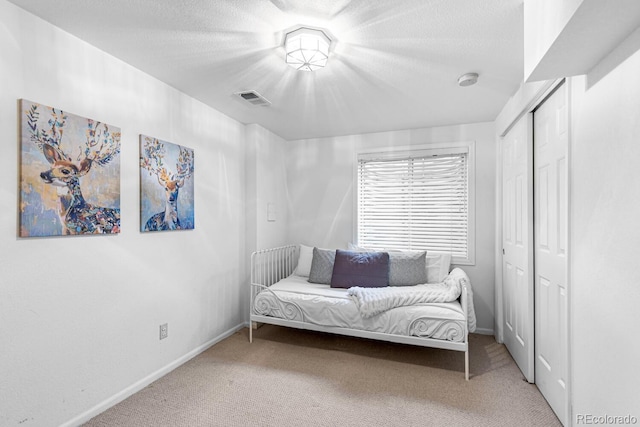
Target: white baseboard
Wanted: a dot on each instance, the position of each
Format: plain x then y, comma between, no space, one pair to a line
484,331
139,385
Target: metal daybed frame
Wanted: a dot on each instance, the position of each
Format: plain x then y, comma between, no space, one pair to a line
271,265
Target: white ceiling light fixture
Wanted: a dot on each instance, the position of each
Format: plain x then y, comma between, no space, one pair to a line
307,49
468,79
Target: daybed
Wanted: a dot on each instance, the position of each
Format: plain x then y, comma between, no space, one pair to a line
282,294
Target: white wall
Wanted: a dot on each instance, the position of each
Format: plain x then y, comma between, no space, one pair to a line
605,236
266,184
320,182
544,20
79,316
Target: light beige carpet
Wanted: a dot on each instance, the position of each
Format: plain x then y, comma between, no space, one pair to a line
289,377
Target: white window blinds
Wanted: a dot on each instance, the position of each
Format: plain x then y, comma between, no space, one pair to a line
418,201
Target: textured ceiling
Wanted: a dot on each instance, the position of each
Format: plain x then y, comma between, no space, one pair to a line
394,64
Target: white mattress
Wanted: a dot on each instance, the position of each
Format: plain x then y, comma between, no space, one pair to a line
294,298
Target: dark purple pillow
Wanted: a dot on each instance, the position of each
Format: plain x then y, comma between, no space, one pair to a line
364,269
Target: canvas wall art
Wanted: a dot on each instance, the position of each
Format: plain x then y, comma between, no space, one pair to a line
166,186
69,173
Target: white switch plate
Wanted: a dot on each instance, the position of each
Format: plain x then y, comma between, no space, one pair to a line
271,212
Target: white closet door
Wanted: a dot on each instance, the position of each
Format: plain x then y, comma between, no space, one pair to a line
551,229
517,237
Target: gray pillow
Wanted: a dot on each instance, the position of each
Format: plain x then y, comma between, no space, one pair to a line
407,268
322,266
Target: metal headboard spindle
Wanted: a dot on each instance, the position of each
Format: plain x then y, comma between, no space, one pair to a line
268,266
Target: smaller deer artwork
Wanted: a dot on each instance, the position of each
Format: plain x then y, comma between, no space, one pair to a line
166,172
82,163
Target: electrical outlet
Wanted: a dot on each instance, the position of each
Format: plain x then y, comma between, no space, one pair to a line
164,331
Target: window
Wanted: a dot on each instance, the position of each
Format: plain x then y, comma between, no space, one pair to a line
420,200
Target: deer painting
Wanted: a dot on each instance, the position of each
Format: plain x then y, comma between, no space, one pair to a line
155,158
57,135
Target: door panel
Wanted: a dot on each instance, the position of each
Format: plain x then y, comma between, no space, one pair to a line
517,261
550,250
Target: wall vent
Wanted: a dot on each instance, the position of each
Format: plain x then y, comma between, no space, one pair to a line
254,98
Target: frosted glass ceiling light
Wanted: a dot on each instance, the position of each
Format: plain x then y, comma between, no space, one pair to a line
307,49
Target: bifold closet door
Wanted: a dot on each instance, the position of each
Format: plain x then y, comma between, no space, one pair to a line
551,144
517,244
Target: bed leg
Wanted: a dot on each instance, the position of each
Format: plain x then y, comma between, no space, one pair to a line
466,365
250,331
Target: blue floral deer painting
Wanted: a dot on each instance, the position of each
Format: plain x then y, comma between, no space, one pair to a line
98,144
153,160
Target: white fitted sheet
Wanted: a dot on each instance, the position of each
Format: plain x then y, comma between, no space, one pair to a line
294,298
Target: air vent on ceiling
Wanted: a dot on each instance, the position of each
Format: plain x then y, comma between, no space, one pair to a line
254,98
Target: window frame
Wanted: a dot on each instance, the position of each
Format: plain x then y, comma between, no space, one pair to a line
402,152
